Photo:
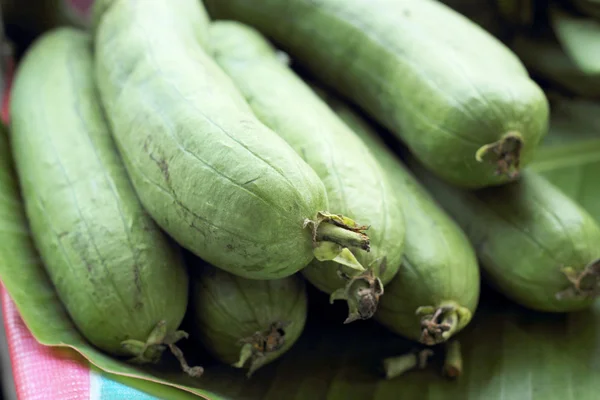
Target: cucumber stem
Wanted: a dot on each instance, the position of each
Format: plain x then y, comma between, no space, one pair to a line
504,153
584,284
362,293
329,232
333,235
256,347
335,228
194,372
453,363
396,366
158,340
440,323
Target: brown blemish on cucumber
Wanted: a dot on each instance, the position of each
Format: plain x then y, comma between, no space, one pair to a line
584,284
438,324
505,154
160,162
362,293
150,352
256,347
396,366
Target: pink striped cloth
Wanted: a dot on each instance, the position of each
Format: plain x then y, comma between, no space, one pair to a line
40,372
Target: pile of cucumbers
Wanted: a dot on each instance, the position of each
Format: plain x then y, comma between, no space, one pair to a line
211,159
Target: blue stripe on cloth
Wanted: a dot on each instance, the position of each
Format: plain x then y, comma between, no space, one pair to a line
103,387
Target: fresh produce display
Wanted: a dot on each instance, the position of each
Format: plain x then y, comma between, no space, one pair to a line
355,182
187,187
473,120
111,265
247,323
436,290
209,172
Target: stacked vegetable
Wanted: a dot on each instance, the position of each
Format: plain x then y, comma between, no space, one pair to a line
387,171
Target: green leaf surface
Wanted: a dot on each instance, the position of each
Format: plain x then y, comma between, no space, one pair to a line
570,154
580,37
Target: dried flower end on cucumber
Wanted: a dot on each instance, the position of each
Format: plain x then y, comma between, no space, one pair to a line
440,323
584,284
256,347
505,154
361,292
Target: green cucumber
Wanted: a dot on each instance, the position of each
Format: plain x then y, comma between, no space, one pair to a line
355,183
535,245
436,290
246,323
459,99
122,280
221,183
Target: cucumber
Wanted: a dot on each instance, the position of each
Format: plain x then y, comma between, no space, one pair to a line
535,245
459,99
246,323
355,183
436,290
209,172
122,281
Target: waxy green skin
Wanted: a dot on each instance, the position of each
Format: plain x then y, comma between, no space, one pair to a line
523,234
228,308
114,270
437,80
209,172
439,265
355,183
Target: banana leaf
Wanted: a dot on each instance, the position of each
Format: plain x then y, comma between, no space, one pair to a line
580,38
570,154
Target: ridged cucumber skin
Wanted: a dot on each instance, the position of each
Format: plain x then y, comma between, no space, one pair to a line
442,84
355,183
439,265
227,309
524,233
210,173
114,270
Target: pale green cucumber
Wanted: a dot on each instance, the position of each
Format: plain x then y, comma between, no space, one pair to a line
458,98
121,279
535,244
355,183
209,172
